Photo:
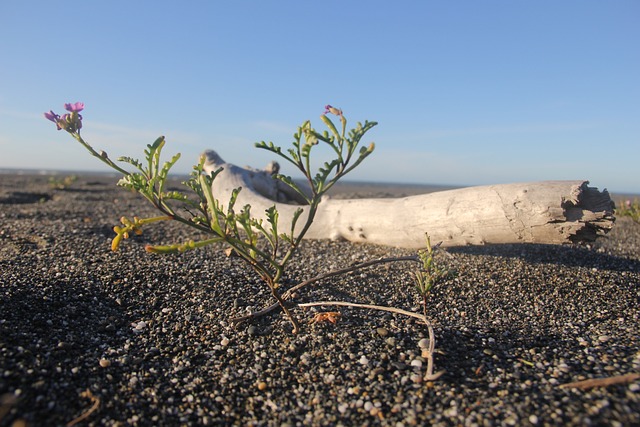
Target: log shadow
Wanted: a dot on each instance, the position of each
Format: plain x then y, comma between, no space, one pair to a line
569,255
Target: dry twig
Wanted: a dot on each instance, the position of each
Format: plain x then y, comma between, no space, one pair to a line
96,402
602,382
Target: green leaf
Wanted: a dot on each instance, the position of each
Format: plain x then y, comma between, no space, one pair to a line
327,121
211,203
291,184
164,173
272,219
153,157
135,163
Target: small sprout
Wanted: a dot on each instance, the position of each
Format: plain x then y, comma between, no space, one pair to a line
62,184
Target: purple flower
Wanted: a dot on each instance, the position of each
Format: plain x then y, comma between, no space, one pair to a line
72,121
74,108
329,109
52,116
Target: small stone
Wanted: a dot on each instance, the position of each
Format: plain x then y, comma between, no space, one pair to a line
416,363
363,360
383,332
262,386
105,363
140,326
416,378
423,343
533,419
224,342
604,338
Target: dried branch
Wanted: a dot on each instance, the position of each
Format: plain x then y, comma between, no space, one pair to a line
602,382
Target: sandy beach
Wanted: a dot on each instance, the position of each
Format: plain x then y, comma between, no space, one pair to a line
97,338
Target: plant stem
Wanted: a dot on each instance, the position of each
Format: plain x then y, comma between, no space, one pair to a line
370,306
429,375
281,303
289,293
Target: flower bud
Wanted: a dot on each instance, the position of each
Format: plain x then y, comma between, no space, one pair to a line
330,109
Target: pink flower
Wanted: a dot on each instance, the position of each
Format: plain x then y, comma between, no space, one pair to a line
74,108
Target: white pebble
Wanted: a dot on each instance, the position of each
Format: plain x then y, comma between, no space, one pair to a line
224,342
363,360
416,363
423,343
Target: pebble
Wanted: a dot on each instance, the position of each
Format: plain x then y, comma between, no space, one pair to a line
383,332
140,326
105,363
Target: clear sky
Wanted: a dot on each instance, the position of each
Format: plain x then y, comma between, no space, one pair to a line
465,92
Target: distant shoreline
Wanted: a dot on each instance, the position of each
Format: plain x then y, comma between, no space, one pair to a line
398,189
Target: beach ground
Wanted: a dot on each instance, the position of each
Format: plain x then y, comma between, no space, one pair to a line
93,337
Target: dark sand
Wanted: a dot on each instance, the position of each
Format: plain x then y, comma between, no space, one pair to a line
148,339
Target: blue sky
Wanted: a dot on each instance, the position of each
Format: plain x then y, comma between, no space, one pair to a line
465,92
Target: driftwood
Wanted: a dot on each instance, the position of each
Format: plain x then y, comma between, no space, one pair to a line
551,212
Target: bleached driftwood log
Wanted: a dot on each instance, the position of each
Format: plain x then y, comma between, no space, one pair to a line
551,212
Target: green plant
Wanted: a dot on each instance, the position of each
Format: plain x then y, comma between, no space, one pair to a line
430,274
630,209
62,183
258,242
261,244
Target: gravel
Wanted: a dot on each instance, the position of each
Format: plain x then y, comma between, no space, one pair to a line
131,338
